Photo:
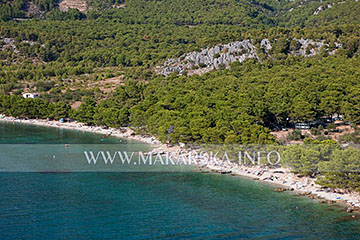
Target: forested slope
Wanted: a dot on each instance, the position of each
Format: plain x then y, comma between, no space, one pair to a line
72,57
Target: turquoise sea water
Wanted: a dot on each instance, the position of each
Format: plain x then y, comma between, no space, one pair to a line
149,205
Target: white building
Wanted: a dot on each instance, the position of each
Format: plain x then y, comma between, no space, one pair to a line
31,95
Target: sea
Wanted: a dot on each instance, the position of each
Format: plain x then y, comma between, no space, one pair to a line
42,198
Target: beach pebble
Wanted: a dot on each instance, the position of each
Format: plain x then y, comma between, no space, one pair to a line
279,189
349,210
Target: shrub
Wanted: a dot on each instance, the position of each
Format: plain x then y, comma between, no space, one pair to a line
315,131
331,127
295,135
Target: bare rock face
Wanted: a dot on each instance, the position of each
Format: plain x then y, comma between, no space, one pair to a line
265,44
221,56
78,4
211,58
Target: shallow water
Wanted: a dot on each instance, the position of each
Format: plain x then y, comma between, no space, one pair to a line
149,205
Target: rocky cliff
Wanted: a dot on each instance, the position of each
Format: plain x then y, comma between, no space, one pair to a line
78,4
221,56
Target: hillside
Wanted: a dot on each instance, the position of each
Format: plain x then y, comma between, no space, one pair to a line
185,12
313,13
10,9
246,66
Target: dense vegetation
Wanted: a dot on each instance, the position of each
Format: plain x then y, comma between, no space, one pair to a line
335,166
184,12
235,105
63,55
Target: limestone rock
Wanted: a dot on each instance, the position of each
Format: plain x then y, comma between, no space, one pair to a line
221,56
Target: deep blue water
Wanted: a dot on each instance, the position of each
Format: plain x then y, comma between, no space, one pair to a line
148,205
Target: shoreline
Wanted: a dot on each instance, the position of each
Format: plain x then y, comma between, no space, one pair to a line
283,180
281,177
123,132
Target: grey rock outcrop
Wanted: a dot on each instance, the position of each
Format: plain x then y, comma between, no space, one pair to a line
221,56
211,58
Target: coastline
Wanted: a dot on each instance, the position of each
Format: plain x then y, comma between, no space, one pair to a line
305,186
123,132
287,181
